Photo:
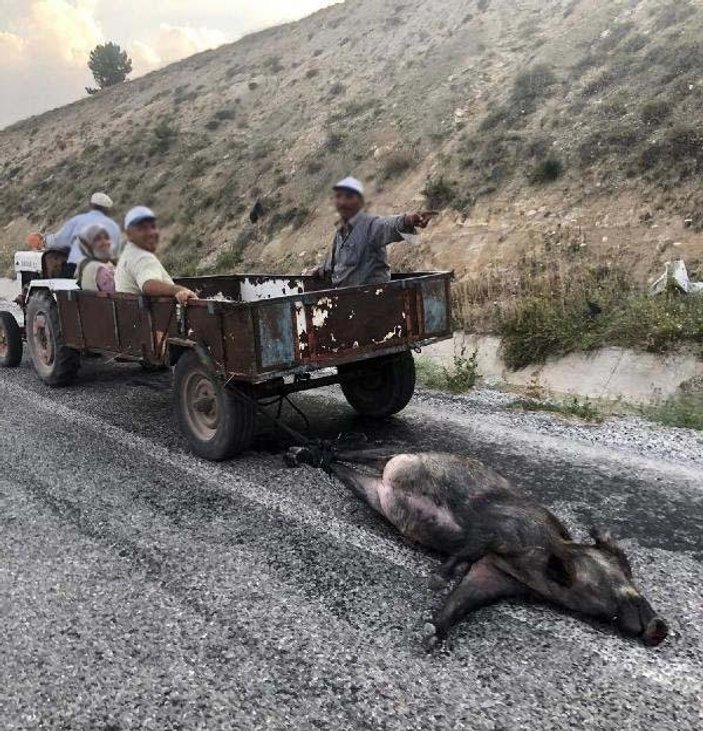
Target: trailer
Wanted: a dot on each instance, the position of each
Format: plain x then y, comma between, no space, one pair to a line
246,339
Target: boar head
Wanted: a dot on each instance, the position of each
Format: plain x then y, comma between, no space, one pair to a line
591,579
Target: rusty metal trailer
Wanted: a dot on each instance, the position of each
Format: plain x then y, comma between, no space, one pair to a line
245,339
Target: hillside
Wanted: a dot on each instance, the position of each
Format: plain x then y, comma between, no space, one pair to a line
567,129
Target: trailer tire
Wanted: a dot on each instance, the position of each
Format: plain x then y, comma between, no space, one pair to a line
219,422
10,341
55,363
380,388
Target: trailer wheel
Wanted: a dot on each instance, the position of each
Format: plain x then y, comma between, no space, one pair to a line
381,387
10,341
216,420
55,363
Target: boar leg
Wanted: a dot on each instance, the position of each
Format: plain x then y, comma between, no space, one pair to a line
483,585
363,486
454,566
376,458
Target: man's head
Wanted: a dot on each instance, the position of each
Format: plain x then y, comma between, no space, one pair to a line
101,202
142,229
348,198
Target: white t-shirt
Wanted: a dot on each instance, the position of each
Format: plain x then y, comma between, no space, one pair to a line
136,267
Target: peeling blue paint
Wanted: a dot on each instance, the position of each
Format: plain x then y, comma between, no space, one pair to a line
276,336
435,306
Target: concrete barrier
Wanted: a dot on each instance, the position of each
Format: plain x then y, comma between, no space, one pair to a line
610,374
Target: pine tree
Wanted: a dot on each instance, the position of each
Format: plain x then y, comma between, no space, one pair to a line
110,65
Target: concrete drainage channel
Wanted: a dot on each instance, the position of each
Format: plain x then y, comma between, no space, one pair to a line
607,375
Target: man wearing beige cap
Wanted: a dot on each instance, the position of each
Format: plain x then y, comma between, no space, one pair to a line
67,237
139,270
359,254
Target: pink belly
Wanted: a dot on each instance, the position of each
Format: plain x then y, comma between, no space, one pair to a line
418,518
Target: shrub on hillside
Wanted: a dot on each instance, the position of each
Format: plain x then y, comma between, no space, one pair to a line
654,112
532,85
273,65
440,192
397,163
164,134
334,142
225,114
547,171
261,150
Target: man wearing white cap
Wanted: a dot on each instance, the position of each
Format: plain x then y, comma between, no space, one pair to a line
139,271
359,254
67,237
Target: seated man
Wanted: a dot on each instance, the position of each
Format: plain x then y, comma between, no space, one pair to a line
67,237
95,272
359,254
139,271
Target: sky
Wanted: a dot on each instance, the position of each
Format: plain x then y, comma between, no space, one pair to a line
44,44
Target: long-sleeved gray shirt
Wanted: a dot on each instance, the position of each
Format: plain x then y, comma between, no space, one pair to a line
359,250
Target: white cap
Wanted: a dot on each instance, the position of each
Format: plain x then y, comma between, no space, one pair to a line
137,215
356,186
102,200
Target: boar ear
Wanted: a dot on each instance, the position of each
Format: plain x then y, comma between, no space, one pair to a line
557,569
606,544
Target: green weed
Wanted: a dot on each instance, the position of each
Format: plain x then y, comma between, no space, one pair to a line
462,378
574,407
679,413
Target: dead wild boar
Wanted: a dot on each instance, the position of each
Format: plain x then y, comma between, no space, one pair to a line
500,542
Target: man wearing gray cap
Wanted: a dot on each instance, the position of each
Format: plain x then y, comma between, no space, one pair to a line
67,236
359,255
139,271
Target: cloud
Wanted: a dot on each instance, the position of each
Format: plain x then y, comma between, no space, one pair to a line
172,43
58,27
11,47
43,59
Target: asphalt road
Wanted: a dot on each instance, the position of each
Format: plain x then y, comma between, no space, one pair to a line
143,588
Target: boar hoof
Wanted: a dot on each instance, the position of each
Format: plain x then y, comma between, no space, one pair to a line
430,636
291,460
297,456
437,582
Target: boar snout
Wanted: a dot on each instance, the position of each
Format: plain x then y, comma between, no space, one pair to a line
656,632
637,618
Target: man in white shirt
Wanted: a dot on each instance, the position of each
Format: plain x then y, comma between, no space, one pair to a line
67,237
139,271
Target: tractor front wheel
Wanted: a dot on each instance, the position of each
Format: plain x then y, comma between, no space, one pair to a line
10,341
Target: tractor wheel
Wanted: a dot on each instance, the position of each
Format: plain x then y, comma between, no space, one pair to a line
10,341
55,363
218,421
380,387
